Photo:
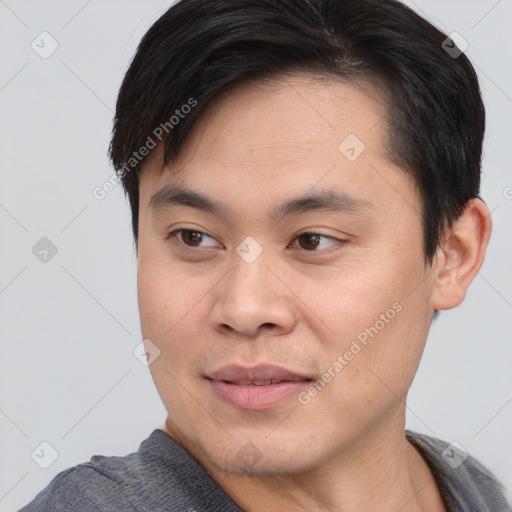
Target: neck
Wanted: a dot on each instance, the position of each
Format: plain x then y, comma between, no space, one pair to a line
380,470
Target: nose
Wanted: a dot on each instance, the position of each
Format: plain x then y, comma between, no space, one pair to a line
254,298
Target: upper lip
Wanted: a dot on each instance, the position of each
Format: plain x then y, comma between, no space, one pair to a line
262,372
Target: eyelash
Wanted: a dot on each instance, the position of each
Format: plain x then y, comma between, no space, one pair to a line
173,234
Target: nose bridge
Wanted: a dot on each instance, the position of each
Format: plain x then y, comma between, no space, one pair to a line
251,295
249,276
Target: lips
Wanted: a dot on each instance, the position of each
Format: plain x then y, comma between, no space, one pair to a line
257,388
261,375
259,382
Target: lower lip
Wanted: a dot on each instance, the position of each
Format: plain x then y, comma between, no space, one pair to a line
257,398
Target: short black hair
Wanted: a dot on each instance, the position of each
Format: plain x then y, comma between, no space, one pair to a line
199,48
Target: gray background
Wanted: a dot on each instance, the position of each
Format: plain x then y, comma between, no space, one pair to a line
69,325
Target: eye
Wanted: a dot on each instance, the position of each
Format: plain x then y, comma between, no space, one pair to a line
311,241
191,237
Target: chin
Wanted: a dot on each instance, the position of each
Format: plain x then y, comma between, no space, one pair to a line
262,458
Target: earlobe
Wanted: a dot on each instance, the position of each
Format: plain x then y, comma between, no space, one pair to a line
461,255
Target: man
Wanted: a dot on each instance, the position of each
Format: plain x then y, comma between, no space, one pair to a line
304,178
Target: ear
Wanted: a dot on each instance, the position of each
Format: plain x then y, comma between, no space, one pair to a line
461,255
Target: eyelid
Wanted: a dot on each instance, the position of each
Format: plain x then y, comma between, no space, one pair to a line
338,241
334,239
175,232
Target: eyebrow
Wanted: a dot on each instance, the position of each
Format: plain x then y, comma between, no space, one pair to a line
327,200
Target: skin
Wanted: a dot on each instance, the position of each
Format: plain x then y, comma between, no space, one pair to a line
298,305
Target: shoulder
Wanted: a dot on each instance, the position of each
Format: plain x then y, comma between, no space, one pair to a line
160,476
86,487
465,483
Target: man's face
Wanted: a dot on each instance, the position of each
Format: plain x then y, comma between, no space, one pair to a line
348,309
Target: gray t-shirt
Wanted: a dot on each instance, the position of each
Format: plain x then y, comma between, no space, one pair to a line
163,477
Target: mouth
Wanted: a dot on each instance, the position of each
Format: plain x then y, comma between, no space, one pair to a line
256,388
260,382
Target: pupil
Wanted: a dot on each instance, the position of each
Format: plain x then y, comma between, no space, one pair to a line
192,236
311,240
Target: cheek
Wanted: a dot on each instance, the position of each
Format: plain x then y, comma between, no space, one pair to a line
168,317
378,324
166,298
353,298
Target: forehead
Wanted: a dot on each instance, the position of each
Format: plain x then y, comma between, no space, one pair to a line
282,136
286,118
